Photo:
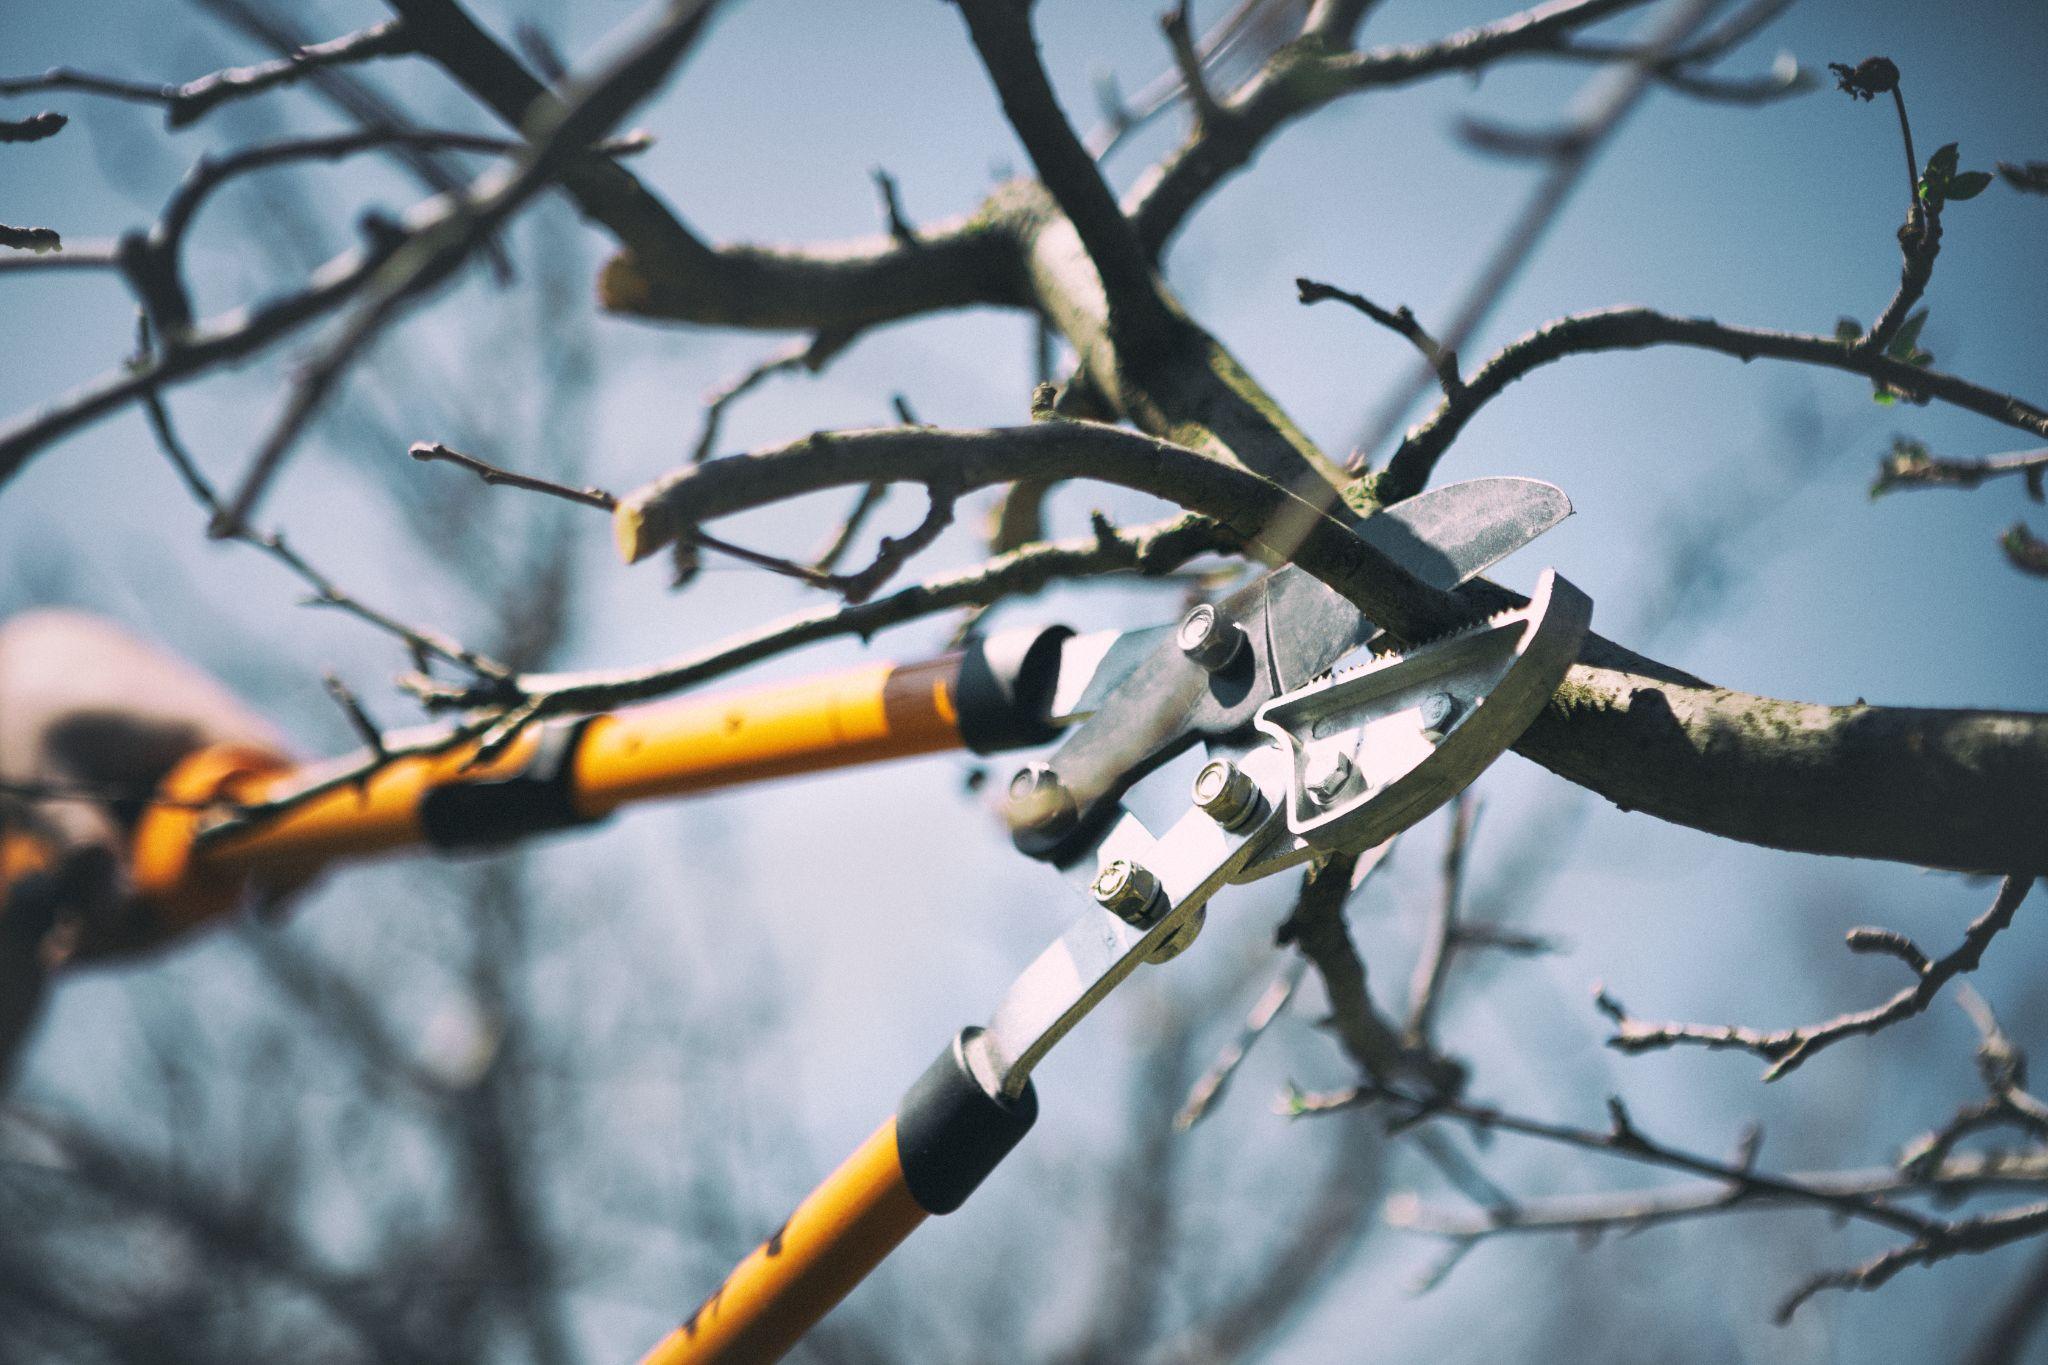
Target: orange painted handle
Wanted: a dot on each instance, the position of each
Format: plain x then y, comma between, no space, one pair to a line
844,1229
861,715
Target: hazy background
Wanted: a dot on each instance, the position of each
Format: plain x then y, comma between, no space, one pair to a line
730,992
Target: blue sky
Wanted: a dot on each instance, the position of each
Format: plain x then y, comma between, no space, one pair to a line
1783,216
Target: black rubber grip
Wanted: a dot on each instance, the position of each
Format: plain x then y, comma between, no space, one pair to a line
1003,699
950,1133
537,799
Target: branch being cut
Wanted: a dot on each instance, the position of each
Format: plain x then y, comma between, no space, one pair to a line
1959,789
1786,1049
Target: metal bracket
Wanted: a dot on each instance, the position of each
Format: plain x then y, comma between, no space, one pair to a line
1373,751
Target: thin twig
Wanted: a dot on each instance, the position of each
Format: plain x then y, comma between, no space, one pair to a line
1208,1090
1607,103
422,643
1786,1049
462,222
1910,466
811,355
1187,60
186,103
892,209
1621,1138
34,128
1401,320
358,718
1433,964
35,239
429,452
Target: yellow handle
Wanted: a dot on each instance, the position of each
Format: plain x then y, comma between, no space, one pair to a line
843,1230
861,715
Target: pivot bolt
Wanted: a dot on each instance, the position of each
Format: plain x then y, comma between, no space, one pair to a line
1328,775
1225,794
1438,710
1128,891
1039,801
1208,639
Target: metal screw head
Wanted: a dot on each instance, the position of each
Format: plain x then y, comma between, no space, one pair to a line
1438,710
1328,775
1038,800
1225,794
1208,639
1128,891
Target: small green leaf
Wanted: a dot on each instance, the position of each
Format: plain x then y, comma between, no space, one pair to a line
1907,339
1968,185
1934,181
1885,396
1848,329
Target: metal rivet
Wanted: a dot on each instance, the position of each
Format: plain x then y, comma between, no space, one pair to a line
1038,800
1327,775
1437,711
1128,891
1208,639
1225,794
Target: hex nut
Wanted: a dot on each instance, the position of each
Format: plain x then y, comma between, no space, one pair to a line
1128,891
1327,775
1225,794
1208,639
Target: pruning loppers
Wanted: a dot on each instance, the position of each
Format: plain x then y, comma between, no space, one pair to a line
1303,762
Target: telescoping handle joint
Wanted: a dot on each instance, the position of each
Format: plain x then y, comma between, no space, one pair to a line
947,1135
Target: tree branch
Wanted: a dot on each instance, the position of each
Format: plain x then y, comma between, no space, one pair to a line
1786,1049
1627,329
187,103
1001,31
560,135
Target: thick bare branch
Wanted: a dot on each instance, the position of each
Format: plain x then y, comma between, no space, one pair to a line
1001,31
1958,789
